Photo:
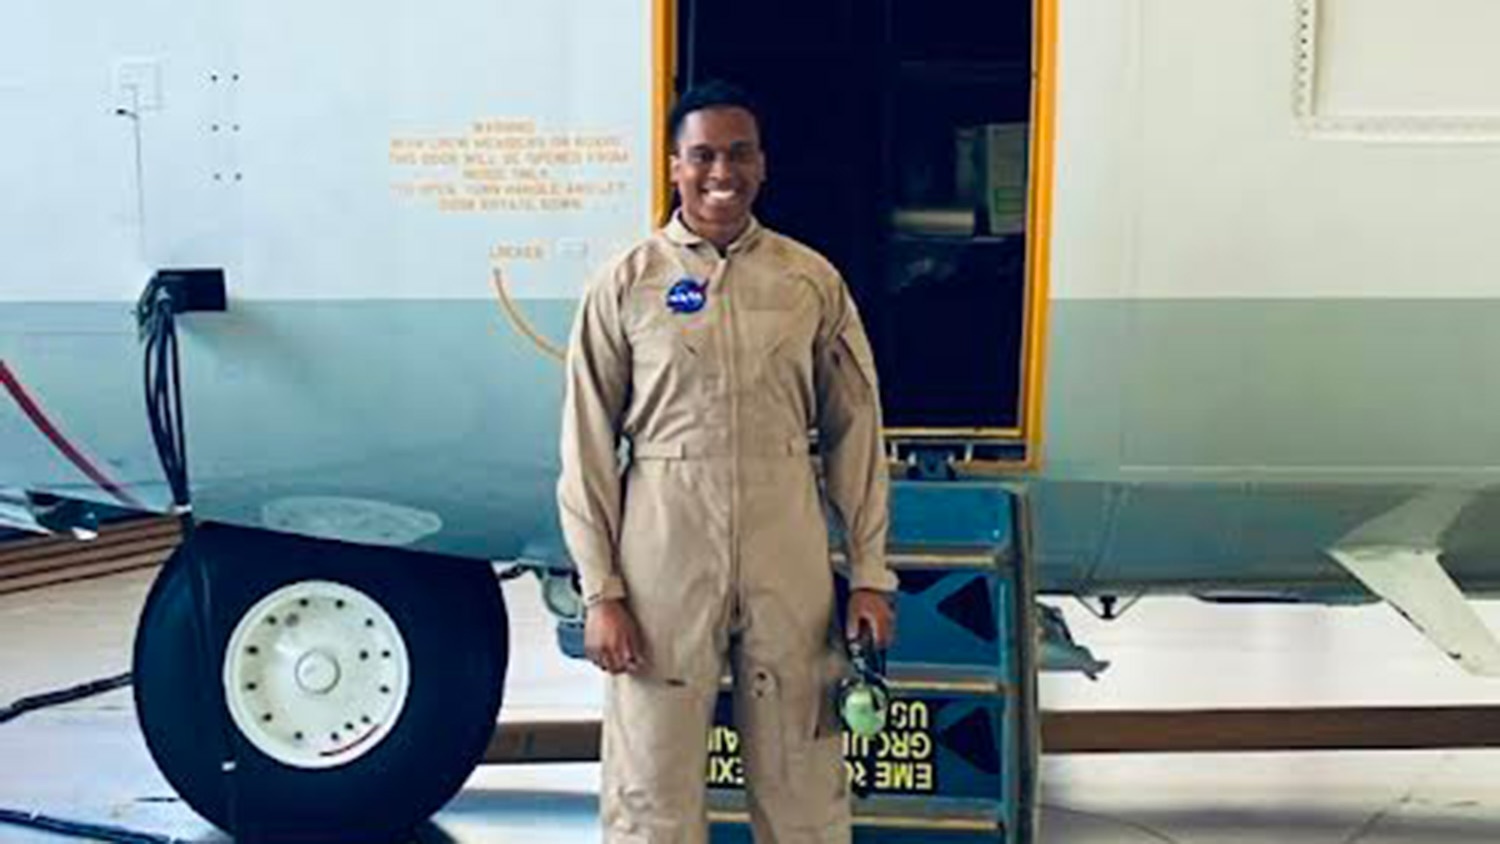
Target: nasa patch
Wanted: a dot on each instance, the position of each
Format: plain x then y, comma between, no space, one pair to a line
687,296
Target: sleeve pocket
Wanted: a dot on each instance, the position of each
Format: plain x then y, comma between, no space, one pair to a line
855,364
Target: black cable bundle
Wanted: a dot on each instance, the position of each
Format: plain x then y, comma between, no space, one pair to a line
156,313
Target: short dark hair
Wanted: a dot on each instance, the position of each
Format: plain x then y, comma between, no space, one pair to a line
715,93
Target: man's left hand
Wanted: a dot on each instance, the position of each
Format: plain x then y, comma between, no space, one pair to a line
871,609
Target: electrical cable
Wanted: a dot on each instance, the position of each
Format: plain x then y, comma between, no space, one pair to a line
50,429
44,700
79,829
156,313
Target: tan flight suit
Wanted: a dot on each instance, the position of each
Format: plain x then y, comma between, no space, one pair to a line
714,533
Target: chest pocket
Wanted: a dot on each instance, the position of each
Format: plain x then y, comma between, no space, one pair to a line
776,349
765,331
776,323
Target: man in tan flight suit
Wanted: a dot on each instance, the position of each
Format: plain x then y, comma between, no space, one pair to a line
708,352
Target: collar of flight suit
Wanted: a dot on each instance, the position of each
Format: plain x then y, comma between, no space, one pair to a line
678,232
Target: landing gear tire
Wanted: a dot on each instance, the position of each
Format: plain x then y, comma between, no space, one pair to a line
346,693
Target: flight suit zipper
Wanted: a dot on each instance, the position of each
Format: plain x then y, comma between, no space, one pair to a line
732,379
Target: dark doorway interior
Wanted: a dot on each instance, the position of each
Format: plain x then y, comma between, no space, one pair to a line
896,134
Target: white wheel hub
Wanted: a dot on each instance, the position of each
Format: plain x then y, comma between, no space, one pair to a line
316,674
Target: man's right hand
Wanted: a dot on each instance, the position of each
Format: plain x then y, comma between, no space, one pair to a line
612,639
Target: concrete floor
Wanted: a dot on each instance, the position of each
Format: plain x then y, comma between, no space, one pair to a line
87,761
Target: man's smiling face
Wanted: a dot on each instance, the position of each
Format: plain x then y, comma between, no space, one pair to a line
718,169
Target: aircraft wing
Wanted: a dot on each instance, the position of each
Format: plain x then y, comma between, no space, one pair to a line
1397,556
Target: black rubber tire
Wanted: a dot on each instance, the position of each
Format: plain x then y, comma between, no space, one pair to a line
450,612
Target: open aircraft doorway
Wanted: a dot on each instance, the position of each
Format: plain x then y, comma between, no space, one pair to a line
910,143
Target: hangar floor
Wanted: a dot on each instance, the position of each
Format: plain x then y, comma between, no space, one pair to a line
86,760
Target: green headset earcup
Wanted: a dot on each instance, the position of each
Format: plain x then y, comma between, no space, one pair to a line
864,708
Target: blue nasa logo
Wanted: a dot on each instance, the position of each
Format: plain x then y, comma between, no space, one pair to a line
687,296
